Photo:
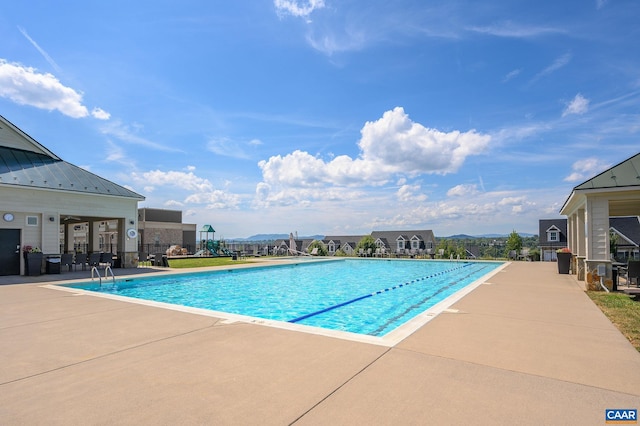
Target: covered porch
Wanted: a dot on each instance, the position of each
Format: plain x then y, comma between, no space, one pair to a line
614,192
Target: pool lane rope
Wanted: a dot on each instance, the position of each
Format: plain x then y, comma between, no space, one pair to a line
348,302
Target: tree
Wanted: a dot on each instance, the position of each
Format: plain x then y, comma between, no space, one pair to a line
366,243
322,250
514,242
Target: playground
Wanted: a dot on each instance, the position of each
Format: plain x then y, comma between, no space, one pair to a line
209,247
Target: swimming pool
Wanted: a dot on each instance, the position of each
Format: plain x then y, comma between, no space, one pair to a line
365,296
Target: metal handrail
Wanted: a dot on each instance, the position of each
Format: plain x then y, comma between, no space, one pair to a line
108,269
97,272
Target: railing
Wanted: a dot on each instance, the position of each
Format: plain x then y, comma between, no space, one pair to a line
107,269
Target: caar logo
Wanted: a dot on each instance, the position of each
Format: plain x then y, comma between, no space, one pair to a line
621,417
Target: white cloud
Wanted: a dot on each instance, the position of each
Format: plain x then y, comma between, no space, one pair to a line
513,30
187,181
44,54
410,193
579,105
216,199
462,190
508,201
512,74
227,148
396,144
26,86
392,146
559,63
585,169
201,190
128,134
100,114
298,9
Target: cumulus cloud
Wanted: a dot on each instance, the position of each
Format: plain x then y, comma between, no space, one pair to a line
100,114
296,8
216,199
158,178
391,146
201,190
410,193
579,105
26,86
586,168
462,190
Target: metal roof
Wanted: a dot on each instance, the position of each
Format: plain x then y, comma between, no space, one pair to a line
35,170
626,173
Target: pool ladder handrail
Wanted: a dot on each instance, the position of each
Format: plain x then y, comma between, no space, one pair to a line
107,269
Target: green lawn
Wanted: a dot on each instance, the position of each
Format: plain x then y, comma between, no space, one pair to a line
622,311
204,261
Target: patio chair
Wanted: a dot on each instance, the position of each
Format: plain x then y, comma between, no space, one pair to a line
94,259
81,259
633,272
106,259
66,259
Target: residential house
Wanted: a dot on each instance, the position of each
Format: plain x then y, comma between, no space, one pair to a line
346,243
422,242
627,230
552,236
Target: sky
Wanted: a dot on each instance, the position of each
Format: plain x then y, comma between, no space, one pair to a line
327,117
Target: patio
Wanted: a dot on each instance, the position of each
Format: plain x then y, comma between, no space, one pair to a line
527,347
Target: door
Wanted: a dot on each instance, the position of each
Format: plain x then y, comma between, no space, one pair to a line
9,252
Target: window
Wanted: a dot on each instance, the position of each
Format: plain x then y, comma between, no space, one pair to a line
32,220
415,244
553,236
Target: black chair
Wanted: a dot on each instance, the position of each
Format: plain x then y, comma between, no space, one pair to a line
81,259
66,259
94,259
106,259
633,272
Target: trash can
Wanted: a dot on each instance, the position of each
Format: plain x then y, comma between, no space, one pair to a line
53,265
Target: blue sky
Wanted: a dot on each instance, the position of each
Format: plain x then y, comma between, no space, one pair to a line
331,117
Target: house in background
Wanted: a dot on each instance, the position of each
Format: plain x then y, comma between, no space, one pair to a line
46,200
627,232
552,236
346,243
406,242
160,228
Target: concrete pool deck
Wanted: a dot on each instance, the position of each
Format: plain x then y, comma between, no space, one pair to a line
526,347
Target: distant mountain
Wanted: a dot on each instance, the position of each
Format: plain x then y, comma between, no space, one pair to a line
272,237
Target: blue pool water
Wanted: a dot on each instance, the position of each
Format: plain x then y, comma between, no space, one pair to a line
365,296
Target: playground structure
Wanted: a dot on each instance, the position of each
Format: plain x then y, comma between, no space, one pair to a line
209,246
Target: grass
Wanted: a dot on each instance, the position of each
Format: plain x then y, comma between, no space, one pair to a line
203,262
622,311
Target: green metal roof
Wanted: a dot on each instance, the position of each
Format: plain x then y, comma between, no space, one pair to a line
34,170
624,174
207,228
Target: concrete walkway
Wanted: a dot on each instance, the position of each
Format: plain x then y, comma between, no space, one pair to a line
527,347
